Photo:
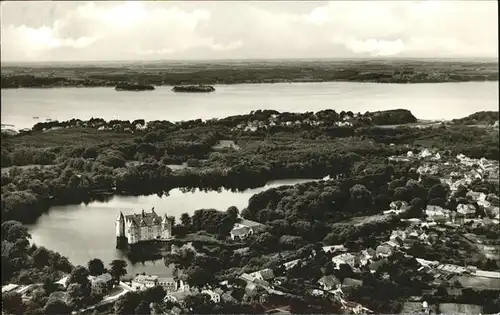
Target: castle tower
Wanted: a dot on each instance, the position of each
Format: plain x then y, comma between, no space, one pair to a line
120,225
166,226
121,239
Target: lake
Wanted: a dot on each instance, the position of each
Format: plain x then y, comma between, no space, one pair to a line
82,232
426,101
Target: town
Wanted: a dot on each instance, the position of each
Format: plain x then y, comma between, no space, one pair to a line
451,246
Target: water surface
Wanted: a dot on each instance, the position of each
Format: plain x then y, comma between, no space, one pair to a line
426,101
82,232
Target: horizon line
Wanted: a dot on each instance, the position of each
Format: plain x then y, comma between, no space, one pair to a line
380,58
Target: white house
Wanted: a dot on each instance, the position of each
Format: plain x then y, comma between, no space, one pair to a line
334,248
244,228
329,282
264,274
214,296
142,282
290,264
468,210
346,258
384,250
169,284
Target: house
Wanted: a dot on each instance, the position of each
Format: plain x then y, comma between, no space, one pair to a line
63,281
384,250
289,265
169,284
346,258
264,274
329,282
436,213
334,248
247,277
240,233
245,228
214,294
349,284
176,297
9,287
398,233
366,255
142,282
428,263
398,205
251,288
467,210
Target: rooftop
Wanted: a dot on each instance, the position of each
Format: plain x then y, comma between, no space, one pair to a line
249,223
144,218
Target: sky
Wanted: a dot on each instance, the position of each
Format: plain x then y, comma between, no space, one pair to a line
206,30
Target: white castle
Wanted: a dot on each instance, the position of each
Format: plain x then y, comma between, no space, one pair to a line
142,227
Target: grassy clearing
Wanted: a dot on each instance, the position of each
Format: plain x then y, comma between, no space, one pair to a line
357,221
479,282
454,308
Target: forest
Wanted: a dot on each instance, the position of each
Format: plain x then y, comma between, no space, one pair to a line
76,164
79,162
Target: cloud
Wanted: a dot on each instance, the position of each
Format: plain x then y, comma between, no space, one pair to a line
208,30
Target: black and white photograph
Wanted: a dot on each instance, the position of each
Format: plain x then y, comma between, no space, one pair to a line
250,157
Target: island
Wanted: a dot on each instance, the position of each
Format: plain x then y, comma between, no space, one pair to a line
194,88
134,87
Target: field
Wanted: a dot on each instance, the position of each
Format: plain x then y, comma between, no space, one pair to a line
453,308
234,72
357,221
478,282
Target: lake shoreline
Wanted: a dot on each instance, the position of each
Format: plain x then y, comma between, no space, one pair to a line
112,84
378,71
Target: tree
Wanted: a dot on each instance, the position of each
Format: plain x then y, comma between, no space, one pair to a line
56,307
12,303
77,295
49,286
199,304
233,212
361,195
41,257
186,220
127,303
96,267
155,294
14,230
118,269
143,308
438,191
199,277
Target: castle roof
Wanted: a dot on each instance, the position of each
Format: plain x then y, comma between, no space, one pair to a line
144,218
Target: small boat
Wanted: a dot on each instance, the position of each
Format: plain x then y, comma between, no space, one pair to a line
193,88
36,117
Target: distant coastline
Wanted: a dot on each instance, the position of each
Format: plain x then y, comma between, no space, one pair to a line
376,71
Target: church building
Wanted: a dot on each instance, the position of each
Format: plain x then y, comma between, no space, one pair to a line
146,226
